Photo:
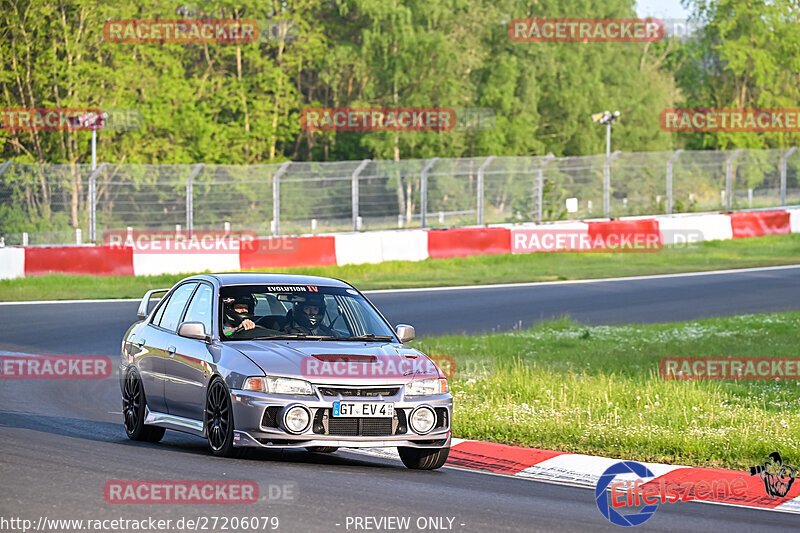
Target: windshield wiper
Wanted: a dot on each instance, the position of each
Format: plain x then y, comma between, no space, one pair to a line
367,337
290,336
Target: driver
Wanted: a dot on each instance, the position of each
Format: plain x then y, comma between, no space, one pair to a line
307,317
238,314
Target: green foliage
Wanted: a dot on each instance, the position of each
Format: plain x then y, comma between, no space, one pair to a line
231,104
597,390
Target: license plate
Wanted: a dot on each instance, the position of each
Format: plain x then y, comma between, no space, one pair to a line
363,409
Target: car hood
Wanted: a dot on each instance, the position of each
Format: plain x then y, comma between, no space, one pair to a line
340,362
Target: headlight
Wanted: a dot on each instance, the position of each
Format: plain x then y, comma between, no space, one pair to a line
296,419
422,419
275,385
426,387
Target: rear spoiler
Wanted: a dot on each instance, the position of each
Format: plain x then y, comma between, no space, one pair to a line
145,303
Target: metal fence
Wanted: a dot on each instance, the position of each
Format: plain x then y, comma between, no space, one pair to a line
56,204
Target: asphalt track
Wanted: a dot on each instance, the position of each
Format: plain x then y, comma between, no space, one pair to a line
62,440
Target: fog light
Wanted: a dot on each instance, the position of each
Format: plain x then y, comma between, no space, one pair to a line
422,420
296,419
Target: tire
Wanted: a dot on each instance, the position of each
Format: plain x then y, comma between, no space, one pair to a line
322,449
423,458
134,405
218,420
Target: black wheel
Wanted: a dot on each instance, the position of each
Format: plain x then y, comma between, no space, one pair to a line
424,458
133,408
219,420
322,449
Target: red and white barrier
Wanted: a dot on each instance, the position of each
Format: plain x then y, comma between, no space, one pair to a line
380,246
585,470
12,263
759,223
463,242
402,245
794,220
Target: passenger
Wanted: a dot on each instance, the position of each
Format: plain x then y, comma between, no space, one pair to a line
307,317
238,314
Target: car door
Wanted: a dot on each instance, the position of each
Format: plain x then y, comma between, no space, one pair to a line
163,335
150,358
188,364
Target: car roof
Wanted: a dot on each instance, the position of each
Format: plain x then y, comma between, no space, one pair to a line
259,278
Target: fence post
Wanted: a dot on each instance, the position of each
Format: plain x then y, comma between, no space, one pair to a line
276,198
423,190
93,202
607,183
729,177
4,167
784,159
480,188
670,162
540,186
354,192
190,196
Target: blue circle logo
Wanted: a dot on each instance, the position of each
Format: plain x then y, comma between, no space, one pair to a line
602,499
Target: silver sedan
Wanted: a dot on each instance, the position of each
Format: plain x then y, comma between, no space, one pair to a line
281,361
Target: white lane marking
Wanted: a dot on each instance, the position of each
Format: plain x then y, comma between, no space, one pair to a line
490,286
110,300
582,281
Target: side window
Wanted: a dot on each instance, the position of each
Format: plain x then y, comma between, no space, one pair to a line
262,305
160,312
174,308
200,307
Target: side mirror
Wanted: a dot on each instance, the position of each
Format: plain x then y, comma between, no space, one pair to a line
405,332
193,330
144,305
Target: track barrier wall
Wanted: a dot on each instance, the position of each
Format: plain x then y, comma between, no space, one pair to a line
380,246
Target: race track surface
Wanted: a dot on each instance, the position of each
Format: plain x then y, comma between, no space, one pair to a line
62,440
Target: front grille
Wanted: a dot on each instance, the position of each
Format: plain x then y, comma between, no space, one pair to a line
358,392
364,427
343,426
326,424
376,427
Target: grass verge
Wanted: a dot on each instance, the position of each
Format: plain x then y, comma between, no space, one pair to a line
597,390
508,268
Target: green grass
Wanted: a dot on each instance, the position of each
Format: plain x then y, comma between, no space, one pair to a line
597,390
508,268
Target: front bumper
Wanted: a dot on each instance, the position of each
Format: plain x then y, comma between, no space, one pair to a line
253,428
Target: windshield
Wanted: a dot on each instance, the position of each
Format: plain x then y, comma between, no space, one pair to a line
304,312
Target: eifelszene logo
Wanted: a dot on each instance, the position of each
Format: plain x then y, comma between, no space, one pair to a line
641,492
606,505
777,476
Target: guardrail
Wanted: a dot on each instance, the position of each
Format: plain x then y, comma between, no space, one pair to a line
50,202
